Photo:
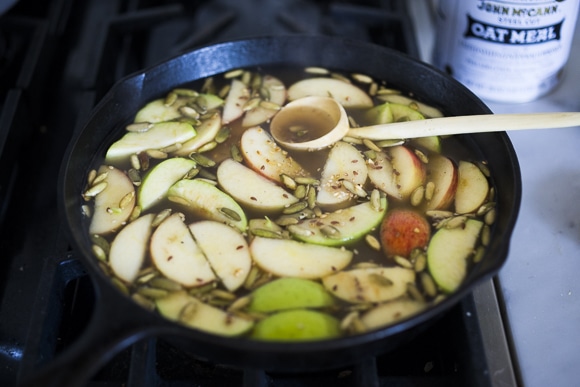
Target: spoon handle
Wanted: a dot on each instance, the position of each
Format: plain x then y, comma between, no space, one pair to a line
466,124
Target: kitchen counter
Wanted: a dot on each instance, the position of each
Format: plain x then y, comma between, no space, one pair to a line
540,281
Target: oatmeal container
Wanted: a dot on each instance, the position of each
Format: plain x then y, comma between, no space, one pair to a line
505,51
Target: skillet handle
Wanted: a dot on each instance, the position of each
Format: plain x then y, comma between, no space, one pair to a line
115,325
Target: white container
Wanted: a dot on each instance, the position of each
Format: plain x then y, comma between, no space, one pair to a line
505,50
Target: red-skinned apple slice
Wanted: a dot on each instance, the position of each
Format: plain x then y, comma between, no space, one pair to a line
226,250
238,95
129,248
259,114
409,170
251,189
382,175
347,94
472,188
176,254
442,172
264,156
344,163
114,204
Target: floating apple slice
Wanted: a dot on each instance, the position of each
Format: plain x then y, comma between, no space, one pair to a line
448,252
264,156
226,250
290,293
234,103
189,311
251,189
375,284
157,181
391,312
176,255
277,92
114,204
297,325
206,132
409,170
204,200
160,135
442,172
159,111
347,94
344,164
289,258
472,188
425,110
382,175
129,248
340,227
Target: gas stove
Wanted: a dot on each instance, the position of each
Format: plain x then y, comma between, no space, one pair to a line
59,58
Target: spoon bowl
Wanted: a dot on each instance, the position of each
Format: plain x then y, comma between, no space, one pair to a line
314,122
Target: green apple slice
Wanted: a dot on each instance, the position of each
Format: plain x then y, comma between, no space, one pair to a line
176,254
347,94
290,258
234,103
426,110
376,284
158,111
129,248
448,253
204,200
380,114
290,293
114,204
472,188
264,156
297,325
277,92
157,181
206,132
391,312
161,135
344,163
191,312
346,226
251,189
226,250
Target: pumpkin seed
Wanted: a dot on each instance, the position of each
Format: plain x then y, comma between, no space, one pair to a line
233,73
251,104
170,98
286,220
251,278
429,190
311,198
246,77
223,134
191,173
479,253
120,285
223,92
236,154
156,154
203,289
165,284
373,88
135,163
92,175
202,160
417,196
483,168
300,191
420,262
414,292
340,77
485,208
126,200
264,93
347,320
300,231
380,280
161,216
370,154
288,182
135,213
171,148
428,284
489,218
270,105
316,70
355,189
352,140
352,123
86,210
229,213
153,293
207,147
99,252
307,181
185,92
223,294
485,235
439,214
422,156
387,91
294,208
373,242
389,143
403,262
95,189
330,231
457,221
188,311
265,233
144,161
371,145
189,111
240,303
362,78
139,127
376,200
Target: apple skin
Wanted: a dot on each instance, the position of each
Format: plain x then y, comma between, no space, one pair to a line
442,171
410,171
402,231
472,188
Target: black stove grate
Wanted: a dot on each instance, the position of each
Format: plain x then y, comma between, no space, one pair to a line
58,59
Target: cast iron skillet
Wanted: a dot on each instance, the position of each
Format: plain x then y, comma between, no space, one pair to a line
118,322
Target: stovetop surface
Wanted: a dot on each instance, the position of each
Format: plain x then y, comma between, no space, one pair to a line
58,59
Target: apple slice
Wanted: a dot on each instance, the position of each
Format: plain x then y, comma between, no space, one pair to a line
191,312
260,114
472,188
297,325
289,293
404,113
402,231
448,253
347,94
264,156
409,170
129,248
391,312
375,284
382,175
290,258
234,103
426,110
206,132
114,204
158,111
344,162
442,172
379,114
226,250
161,135
176,255
346,226
204,200
157,181
251,189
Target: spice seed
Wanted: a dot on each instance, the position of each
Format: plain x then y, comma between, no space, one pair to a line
202,160
428,284
231,214
265,233
307,181
152,292
294,208
373,242
165,284
403,262
288,182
